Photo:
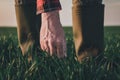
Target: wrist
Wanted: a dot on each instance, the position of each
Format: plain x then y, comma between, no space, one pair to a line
51,16
51,21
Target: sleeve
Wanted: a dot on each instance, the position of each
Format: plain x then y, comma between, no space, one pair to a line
47,5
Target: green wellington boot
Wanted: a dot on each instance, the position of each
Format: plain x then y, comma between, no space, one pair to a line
88,30
27,28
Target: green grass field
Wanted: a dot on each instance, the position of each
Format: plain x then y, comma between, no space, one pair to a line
13,66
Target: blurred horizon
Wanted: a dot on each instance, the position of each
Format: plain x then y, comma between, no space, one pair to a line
111,17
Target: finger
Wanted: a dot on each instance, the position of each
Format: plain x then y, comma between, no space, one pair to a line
46,46
42,45
64,48
60,53
51,47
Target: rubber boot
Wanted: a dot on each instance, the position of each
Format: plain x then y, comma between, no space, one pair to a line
27,28
88,29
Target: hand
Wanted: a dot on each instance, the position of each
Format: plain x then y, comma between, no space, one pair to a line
52,37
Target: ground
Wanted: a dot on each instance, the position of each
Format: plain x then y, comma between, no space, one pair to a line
13,66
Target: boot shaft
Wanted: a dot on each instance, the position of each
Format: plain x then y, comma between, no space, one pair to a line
92,21
27,24
88,31
86,2
24,2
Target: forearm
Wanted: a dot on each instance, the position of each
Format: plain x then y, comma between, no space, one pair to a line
53,20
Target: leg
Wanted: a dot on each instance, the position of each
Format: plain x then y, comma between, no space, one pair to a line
91,2
28,31
88,32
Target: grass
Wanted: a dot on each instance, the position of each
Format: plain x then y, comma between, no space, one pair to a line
13,66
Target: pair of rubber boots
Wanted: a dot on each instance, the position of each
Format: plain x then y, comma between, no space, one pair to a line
88,29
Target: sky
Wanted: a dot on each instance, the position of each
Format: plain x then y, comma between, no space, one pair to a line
111,17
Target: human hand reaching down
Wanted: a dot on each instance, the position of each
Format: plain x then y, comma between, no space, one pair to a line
52,37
